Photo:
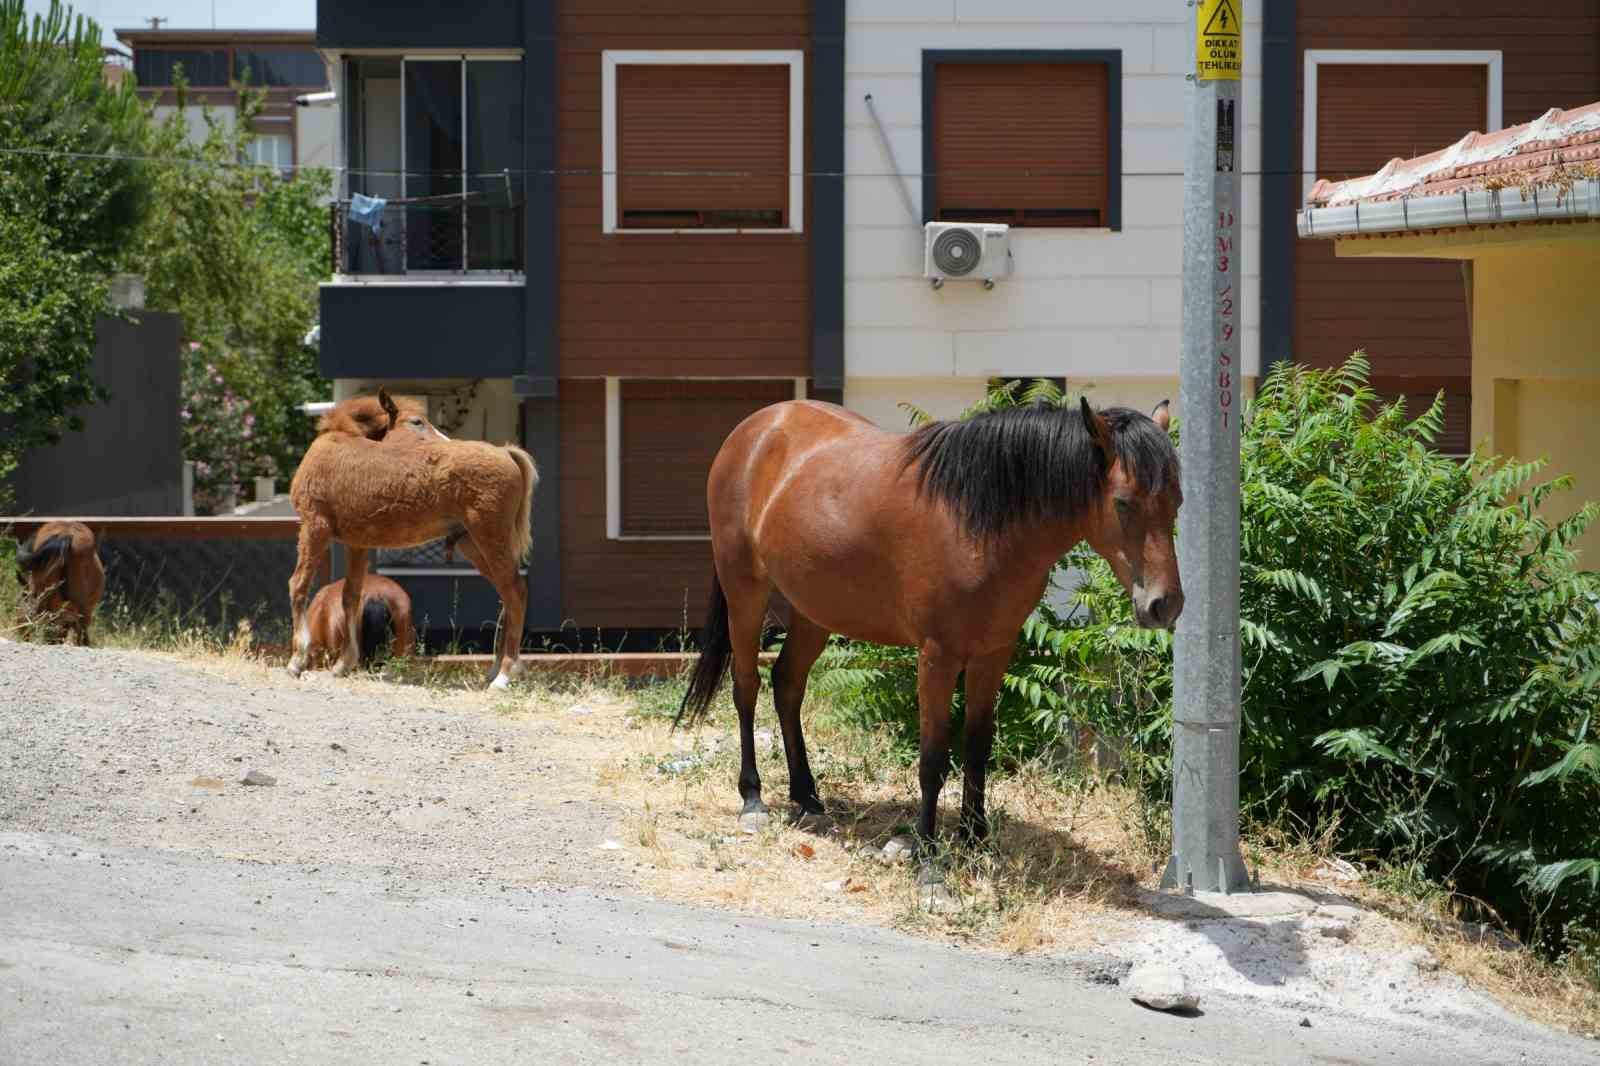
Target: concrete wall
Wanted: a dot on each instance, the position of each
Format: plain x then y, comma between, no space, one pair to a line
316,136
1100,307
128,458
194,118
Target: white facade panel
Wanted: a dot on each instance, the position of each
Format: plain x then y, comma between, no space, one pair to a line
1101,308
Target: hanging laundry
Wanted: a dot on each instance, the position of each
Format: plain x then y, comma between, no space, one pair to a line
367,211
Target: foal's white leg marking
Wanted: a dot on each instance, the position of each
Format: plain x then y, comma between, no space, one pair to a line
501,680
302,647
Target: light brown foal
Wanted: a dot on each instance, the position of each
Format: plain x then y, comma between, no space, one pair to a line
410,486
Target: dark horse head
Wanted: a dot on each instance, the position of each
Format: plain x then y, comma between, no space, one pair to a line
1135,532
1110,477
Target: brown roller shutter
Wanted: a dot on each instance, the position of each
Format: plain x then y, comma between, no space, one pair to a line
703,146
1410,315
1021,143
671,431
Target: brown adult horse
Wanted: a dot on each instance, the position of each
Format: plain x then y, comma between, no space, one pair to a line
62,575
385,613
942,540
395,482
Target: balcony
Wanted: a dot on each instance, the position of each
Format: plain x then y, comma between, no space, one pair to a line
429,238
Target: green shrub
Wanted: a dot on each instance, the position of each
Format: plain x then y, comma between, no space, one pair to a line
1420,653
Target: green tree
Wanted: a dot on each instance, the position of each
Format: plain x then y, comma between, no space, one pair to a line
238,251
72,194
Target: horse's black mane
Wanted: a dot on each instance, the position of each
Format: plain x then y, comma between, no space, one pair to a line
1032,463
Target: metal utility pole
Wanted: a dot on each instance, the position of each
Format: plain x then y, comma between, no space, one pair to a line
1205,710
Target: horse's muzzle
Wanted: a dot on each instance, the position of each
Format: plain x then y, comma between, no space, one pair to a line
1159,611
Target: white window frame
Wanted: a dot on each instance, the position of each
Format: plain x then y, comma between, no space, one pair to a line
610,60
614,457
1316,58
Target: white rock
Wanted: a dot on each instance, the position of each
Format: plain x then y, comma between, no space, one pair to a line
833,886
610,845
899,849
1337,931
1160,988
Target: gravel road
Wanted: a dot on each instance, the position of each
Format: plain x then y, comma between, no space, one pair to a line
422,884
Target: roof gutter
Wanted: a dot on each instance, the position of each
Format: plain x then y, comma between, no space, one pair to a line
1478,207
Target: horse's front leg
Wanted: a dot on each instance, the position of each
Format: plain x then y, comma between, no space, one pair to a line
936,683
313,543
354,577
983,687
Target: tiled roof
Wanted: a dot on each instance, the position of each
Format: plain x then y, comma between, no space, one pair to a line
1557,148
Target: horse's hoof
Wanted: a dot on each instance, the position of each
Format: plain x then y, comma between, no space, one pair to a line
935,898
501,681
295,669
754,820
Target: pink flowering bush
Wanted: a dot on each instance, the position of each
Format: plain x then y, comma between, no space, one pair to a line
220,435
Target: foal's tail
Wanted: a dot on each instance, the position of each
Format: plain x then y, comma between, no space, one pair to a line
376,626
716,648
521,526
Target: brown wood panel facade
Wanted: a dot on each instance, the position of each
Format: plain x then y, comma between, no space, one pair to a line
1411,315
638,584
671,304
671,431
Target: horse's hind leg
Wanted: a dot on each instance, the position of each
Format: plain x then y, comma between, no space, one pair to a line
747,610
801,646
354,576
313,542
494,561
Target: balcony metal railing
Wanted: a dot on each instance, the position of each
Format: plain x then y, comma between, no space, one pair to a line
428,235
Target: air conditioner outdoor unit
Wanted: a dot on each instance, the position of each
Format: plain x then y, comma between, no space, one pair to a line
966,251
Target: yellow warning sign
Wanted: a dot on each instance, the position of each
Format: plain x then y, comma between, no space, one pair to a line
1219,40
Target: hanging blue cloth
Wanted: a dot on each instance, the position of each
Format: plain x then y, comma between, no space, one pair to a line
367,211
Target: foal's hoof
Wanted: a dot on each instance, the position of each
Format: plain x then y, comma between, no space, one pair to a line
501,681
754,818
295,669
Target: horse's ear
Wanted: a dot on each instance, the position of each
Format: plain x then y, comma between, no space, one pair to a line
388,406
1099,429
1162,415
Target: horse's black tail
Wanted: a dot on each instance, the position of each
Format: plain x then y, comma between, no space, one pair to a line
376,627
716,648
56,549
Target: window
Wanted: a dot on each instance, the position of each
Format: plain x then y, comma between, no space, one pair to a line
1362,109
702,141
202,68
440,139
273,150
1024,138
297,68
661,437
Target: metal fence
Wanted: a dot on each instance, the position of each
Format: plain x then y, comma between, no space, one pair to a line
429,236
194,572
